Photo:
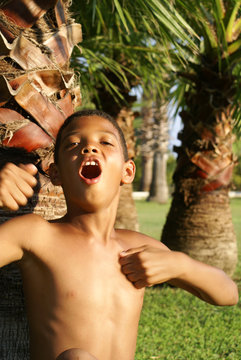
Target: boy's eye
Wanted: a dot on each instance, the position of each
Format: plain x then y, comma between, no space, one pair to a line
72,145
106,142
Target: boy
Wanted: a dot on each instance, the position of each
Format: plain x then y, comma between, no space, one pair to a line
83,280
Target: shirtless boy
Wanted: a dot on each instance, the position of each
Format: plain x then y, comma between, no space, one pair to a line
83,280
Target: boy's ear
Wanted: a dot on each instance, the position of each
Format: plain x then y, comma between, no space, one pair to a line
129,171
54,174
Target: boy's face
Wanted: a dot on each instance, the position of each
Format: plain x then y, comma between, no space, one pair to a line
91,163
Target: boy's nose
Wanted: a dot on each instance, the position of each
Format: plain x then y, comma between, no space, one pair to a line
89,149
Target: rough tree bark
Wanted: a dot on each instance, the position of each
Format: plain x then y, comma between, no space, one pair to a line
147,151
199,221
159,187
126,213
38,91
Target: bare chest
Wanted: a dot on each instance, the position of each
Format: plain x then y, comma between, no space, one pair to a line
83,280
82,290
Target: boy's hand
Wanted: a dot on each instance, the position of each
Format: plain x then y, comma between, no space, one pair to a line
16,185
147,265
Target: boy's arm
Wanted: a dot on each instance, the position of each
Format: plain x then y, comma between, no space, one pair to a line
19,236
15,238
16,185
149,265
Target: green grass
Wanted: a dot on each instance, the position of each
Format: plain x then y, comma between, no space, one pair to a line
177,326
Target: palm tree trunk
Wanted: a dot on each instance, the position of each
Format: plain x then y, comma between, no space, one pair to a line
147,152
204,230
38,92
199,221
147,170
159,187
126,213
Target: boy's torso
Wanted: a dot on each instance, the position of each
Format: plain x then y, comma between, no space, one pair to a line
77,296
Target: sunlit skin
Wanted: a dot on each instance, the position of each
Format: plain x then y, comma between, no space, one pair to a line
83,280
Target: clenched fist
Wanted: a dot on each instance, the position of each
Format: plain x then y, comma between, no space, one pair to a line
148,265
16,185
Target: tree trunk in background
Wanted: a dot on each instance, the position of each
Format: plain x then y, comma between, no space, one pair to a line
147,152
147,170
159,187
199,221
126,213
38,92
204,230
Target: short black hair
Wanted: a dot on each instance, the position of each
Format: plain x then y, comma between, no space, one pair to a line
84,113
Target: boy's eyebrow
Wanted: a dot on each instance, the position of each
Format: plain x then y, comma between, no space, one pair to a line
101,132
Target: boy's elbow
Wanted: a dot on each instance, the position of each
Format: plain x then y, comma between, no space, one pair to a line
228,296
232,297
235,297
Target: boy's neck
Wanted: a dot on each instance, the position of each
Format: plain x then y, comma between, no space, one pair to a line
96,225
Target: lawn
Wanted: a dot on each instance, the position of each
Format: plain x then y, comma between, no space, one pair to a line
177,326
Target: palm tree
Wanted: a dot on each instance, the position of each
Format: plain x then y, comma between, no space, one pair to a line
159,187
154,146
199,221
146,147
119,70
118,53
38,90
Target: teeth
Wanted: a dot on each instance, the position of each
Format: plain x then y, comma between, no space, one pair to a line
93,163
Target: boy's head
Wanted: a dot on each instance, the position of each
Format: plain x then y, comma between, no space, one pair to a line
86,113
91,160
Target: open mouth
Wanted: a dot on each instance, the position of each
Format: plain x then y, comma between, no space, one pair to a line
90,170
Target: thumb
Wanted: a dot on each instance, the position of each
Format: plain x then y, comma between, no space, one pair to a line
30,168
132,251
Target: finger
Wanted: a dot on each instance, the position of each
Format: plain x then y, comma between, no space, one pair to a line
127,269
24,188
133,277
30,168
141,284
132,251
15,195
27,172
9,204
17,185
21,195
132,259
124,260
12,173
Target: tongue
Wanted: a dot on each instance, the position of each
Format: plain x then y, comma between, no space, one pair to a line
90,171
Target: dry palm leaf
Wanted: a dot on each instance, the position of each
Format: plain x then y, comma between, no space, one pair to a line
38,89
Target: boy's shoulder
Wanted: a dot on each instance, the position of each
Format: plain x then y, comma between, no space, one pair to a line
134,239
24,224
31,219
19,235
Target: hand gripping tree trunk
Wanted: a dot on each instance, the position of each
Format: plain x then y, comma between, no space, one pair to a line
38,91
199,221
